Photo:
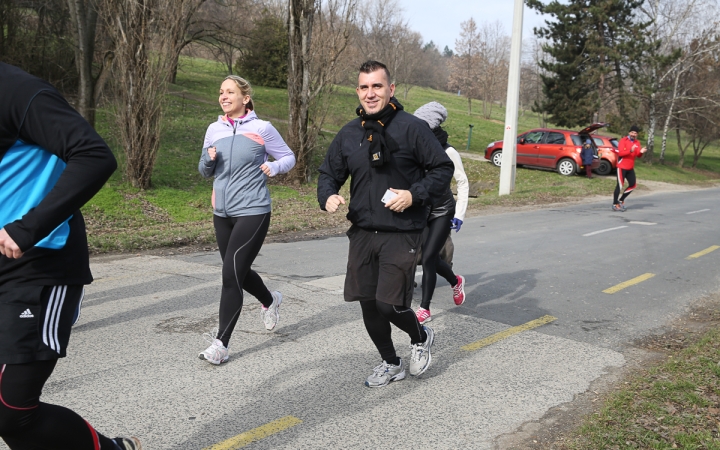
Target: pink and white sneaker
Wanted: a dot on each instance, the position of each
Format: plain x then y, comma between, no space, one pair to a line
423,315
459,291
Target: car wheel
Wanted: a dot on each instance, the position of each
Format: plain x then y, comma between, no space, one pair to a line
496,158
566,167
604,168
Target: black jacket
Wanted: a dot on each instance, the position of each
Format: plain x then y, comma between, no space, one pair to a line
417,162
445,204
38,124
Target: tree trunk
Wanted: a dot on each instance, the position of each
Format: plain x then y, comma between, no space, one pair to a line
301,14
681,150
84,15
173,69
469,106
669,116
406,89
652,119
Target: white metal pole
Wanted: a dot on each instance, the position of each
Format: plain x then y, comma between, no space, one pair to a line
507,168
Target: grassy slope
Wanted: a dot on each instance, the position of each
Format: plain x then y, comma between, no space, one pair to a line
177,209
675,404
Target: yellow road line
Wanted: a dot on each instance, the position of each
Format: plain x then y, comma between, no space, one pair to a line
704,252
628,283
507,333
261,432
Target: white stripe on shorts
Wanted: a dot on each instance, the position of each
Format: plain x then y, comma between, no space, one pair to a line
52,317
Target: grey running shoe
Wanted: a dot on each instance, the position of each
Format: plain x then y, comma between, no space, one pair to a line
617,208
271,315
128,443
420,357
385,373
217,353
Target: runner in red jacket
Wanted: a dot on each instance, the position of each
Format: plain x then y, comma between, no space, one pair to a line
628,149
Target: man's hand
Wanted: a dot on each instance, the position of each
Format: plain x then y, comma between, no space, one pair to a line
333,203
401,202
643,150
455,224
8,247
212,153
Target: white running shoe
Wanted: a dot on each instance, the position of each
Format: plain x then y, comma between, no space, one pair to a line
217,353
271,315
385,373
128,443
420,357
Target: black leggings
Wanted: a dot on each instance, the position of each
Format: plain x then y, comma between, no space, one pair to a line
378,316
438,230
239,240
28,424
622,175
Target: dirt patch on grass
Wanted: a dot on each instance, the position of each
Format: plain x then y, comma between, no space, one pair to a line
558,428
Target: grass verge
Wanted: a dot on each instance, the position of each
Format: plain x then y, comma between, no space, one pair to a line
674,404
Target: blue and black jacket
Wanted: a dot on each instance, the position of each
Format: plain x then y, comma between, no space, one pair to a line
51,163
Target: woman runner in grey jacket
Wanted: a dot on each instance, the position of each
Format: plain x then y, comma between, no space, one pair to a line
235,152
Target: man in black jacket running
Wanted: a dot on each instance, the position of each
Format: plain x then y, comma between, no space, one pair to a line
51,163
397,168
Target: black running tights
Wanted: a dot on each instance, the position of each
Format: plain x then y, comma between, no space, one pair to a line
437,234
378,316
239,240
622,175
28,424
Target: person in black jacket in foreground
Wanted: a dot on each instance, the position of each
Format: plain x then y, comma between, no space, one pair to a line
397,168
51,163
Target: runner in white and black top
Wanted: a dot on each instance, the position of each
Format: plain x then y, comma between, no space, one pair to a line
446,214
51,163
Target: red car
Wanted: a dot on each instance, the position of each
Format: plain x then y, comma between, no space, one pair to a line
553,148
606,146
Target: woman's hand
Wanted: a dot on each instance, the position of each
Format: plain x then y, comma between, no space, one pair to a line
212,153
266,169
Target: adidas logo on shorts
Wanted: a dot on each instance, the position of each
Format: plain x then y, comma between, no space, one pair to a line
27,314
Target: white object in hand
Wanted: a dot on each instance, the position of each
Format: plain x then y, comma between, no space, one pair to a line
389,195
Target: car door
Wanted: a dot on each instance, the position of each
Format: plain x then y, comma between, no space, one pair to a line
527,147
551,147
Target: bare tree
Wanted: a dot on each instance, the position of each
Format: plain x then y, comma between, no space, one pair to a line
84,19
465,66
145,33
494,57
530,72
694,54
313,65
186,28
673,24
222,27
699,111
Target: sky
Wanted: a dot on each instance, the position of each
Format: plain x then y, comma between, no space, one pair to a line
439,21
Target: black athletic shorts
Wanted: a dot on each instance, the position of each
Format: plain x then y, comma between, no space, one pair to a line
35,322
381,266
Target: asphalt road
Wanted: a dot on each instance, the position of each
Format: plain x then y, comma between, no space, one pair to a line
133,366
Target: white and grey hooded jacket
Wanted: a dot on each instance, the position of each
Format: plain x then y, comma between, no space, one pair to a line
243,145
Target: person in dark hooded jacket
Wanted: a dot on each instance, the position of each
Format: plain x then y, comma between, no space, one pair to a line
587,155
